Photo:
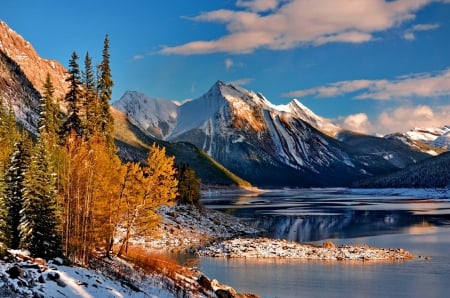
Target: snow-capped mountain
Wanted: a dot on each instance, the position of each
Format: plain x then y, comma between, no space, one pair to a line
432,140
301,111
272,145
427,135
255,139
155,116
443,141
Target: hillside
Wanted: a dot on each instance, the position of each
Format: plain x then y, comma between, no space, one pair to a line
16,90
268,145
133,145
430,173
34,66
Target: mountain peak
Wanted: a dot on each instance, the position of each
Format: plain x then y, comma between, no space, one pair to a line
34,67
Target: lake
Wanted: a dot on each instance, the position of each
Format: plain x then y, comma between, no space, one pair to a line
417,224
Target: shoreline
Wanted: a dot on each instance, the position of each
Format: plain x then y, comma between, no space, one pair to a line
265,248
210,233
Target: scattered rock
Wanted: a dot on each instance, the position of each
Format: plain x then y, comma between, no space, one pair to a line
205,283
40,261
274,248
328,244
221,293
53,276
58,261
15,272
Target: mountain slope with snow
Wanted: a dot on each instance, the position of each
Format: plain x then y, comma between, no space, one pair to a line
155,116
269,145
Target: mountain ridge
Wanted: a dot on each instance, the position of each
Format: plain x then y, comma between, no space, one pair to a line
248,134
34,67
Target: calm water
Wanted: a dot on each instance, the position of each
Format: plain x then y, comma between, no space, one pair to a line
419,225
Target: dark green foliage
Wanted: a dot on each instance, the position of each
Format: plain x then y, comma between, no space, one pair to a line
8,137
73,99
40,228
91,105
14,186
49,121
188,186
430,173
105,85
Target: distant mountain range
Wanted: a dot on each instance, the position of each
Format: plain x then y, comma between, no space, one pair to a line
268,145
227,133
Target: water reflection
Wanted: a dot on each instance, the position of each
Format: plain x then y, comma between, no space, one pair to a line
421,226
312,215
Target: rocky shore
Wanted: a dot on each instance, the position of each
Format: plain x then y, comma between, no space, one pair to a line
215,234
274,248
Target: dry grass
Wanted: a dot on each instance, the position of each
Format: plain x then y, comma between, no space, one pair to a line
152,262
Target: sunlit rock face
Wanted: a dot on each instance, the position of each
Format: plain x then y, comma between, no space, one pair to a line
266,144
33,66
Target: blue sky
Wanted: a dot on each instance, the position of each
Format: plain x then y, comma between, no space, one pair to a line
372,65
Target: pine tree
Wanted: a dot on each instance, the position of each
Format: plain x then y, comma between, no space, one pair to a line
91,101
8,137
105,84
40,228
73,99
9,133
14,186
49,120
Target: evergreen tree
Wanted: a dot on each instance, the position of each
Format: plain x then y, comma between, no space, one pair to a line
73,99
14,186
90,96
40,228
105,84
9,133
49,120
188,186
8,137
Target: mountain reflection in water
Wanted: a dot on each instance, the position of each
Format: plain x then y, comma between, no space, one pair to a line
417,224
311,215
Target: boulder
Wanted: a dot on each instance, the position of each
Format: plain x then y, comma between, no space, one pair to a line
205,283
15,272
328,244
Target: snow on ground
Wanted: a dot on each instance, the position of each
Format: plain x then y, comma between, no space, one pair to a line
54,280
188,227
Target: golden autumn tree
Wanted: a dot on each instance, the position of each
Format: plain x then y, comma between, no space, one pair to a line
90,195
157,186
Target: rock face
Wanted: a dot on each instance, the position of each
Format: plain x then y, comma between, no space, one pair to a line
16,90
268,145
33,66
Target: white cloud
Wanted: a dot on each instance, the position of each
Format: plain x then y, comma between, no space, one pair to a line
410,33
241,82
417,85
409,36
357,122
228,63
405,118
138,57
400,119
281,24
425,27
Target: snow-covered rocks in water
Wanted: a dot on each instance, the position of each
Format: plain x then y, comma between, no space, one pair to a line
274,248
